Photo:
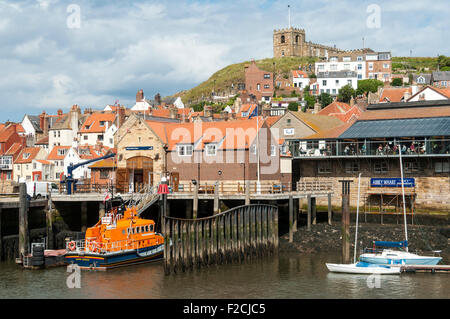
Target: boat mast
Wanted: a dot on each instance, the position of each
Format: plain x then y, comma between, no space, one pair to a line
403,194
357,214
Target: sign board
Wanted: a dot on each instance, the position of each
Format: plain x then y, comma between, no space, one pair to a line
392,182
289,131
139,148
106,220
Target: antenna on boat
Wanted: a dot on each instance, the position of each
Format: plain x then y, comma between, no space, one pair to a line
357,214
403,194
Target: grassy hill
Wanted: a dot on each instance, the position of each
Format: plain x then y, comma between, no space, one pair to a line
414,64
222,80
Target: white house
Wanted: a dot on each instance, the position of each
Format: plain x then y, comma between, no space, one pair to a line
30,124
300,79
332,82
430,93
179,103
95,127
346,65
66,129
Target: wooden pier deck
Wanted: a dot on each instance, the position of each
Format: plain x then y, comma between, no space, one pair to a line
425,268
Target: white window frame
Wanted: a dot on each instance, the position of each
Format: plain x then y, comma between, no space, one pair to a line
186,149
209,147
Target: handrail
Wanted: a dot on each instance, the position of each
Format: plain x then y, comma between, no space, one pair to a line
221,214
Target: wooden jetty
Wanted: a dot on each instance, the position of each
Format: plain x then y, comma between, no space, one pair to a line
425,268
236,235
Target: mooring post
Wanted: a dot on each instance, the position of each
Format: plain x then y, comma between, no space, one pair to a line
329,209
291,219
49,222
195,202
346,220
308,222
247,192
189,209
83,216
216,198
23,220
1,238
314,210
296,213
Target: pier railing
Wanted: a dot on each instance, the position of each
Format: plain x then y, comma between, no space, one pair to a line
236,235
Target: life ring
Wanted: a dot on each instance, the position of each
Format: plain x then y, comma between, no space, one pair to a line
92,246
72,246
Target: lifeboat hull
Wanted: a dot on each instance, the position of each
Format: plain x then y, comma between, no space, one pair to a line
96,261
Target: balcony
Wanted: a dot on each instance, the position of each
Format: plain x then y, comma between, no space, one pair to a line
374,148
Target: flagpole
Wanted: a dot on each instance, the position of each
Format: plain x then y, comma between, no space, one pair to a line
403,193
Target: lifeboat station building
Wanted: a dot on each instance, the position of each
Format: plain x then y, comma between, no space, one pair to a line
370,146
206,152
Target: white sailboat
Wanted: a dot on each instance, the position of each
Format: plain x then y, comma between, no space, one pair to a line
396,257
363,268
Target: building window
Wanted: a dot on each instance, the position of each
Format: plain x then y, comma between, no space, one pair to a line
296,38
34,166
100,137
349,82
258,87
26,155
411,167
380,168
185,150
324,167
324,82
386,65
333,67
85,137
57,176
370,66
104,174
360,66
351,167
334,91
359,76
359,58
267,76
62,152
267,86
320,67
253,149
283,39
442,167
211,149
273,150
346,59
59,133
337,82
102,123
346,66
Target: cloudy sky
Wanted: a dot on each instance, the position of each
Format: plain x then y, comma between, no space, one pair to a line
56,53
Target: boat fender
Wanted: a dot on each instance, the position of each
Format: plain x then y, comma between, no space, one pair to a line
72,246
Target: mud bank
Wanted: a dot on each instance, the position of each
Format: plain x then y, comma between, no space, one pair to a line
326,238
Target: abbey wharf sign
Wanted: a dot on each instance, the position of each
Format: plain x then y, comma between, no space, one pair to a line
392,182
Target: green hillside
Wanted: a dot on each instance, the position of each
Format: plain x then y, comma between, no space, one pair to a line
222,80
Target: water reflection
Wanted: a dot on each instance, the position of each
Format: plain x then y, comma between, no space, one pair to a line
280,276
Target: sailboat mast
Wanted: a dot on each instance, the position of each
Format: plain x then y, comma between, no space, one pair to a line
403,194
357,214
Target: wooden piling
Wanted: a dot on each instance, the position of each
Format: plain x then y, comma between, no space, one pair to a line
200,243
329,209
275,230
216,198
83,216
247,192
308,222
314,210
49,223
345,221
195,202
1,236
23,220
291,219
167,250
214,241
240,222
176,247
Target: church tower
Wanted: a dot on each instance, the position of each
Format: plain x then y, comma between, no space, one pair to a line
288,42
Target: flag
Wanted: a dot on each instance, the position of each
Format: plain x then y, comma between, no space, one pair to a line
107,197
254,113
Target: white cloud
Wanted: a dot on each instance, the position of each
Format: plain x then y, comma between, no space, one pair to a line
169,46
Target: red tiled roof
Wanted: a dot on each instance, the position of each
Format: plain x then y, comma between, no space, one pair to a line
394,94
92,123
33,151
299,74
44,162
53,156
335,107
14,149
416,112
107,163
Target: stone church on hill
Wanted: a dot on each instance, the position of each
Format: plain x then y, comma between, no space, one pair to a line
292,42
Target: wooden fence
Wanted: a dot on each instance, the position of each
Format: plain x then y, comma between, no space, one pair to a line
239,234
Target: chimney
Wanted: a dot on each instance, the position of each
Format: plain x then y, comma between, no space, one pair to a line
75,143
140,96
173,112
42,122
414,89
406,96
121,116
60,112
208,112
316,107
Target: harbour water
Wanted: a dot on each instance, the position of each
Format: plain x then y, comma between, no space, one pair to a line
283,276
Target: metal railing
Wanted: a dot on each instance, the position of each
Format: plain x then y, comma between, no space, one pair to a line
409,147
92,246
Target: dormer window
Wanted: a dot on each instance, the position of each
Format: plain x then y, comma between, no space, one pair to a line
62,152
26,155
102,123
185,150
211,149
